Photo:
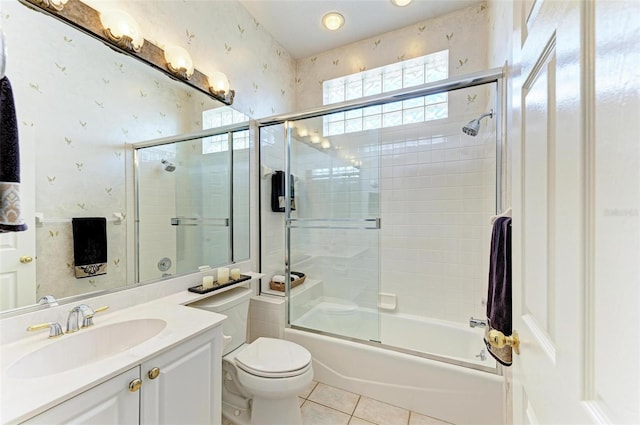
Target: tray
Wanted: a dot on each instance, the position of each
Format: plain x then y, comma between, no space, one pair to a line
200,290
279,286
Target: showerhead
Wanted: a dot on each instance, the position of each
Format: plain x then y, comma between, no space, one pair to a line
472,128
168,166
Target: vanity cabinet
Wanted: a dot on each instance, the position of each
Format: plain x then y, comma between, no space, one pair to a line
108,403
178,386
183,386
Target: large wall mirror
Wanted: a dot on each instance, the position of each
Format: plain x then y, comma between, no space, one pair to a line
82,110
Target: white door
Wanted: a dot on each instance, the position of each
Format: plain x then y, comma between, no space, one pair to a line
576,203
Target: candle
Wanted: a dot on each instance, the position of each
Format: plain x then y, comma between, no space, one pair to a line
223,275
207,282
235,274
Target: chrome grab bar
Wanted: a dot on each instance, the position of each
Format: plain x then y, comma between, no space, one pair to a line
376,223
192,221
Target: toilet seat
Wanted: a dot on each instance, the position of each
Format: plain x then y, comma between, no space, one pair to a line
273,358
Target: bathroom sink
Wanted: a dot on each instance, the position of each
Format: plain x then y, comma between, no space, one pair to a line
84,347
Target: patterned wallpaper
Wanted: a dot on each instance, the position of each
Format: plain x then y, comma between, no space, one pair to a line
79,104
221,36
463,32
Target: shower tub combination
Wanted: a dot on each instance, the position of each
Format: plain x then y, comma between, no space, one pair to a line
456,385
434,189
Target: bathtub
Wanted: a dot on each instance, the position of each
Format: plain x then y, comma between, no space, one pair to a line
446,382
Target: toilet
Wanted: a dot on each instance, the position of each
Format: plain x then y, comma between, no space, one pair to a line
260,381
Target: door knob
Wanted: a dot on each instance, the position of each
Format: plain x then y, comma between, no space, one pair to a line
135,385
498,340
25,259
154,373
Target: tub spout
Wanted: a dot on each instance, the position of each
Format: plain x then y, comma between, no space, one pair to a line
475,323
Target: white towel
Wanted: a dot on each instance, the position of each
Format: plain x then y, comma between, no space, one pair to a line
278,278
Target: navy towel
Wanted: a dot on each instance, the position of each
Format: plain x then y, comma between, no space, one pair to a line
89,246
10,218
499,293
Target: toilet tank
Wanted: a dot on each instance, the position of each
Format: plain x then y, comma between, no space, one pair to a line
234,304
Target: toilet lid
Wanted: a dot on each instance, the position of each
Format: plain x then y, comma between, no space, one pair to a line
271,357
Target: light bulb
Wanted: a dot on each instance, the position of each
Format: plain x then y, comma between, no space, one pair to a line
401,3
219,82
122,29
326,144
179,61
333,21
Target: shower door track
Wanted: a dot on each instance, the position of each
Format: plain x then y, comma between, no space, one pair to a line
497,370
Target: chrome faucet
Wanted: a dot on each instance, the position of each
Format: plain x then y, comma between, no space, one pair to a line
74,317
475,323
83,311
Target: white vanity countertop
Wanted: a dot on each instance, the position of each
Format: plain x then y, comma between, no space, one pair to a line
22,398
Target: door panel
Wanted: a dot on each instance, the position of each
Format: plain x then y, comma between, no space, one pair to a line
548,214
576,221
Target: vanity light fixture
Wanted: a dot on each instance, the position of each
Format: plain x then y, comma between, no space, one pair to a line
57,5
179,62
118,30
122,29
401,3
333,21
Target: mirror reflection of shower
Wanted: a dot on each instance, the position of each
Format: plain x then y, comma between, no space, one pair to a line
472,128
168,166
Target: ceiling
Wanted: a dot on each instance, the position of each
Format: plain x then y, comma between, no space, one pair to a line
296,25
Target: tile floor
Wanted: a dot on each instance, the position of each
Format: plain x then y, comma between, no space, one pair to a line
322,404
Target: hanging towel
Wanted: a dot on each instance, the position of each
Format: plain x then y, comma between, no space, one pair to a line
90,246
499,294
10,218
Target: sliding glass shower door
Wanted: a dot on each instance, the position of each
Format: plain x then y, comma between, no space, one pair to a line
333,228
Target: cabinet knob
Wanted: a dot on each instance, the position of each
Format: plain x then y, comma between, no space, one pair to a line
154,373
135,385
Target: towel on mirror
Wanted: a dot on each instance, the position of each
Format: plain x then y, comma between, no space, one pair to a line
499,293
10,217
89,246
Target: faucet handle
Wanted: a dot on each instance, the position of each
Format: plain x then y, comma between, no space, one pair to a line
88,318
55,330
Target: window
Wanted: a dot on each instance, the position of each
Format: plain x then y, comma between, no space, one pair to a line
219,117
396,76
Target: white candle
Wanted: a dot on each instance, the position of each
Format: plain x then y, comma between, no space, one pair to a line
235,274
207,282
223,275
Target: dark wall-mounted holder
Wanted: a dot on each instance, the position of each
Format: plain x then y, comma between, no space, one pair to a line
278,192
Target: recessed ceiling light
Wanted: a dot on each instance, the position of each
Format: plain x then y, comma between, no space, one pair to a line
333,21
401,3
